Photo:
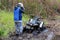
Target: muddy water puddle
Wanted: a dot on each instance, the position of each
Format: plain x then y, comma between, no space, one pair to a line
57,37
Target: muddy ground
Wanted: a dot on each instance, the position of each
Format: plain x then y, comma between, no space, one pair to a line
53,26
53,33
45,35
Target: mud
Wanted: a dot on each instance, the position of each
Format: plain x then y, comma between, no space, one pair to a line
45,35
52,33
57,37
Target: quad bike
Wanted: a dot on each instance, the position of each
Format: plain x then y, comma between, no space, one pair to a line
34,25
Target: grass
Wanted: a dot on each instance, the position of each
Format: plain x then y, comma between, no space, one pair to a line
7,22
58,0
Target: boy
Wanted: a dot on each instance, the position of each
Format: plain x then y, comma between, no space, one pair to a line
18,10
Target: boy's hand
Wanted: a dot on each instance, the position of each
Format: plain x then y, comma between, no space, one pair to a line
22,9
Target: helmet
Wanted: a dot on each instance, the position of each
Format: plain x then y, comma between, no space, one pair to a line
20,4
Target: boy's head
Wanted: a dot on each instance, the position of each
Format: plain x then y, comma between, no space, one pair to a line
20,4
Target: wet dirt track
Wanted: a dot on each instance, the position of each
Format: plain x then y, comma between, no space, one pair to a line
45,35
53,33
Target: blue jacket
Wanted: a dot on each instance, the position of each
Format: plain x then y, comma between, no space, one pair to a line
18,13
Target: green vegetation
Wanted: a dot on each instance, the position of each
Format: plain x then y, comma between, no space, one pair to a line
7,22
58,0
